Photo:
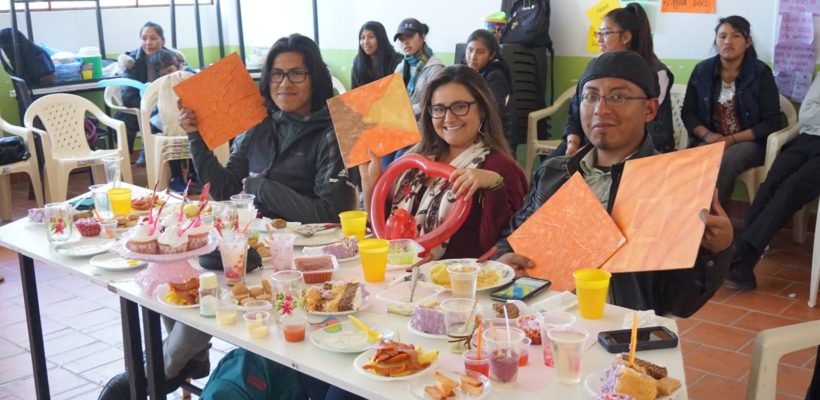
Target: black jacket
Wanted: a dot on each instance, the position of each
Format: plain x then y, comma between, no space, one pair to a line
357,80
302,176
680,292
138,72
499,81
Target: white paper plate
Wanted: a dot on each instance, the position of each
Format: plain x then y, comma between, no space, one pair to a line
329,338
161,298
365,357
423,334
592,383
507,272
84,247
417,387
113,262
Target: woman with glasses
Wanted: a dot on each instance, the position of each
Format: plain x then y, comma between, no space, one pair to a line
732,98
376,57
627,29
460,126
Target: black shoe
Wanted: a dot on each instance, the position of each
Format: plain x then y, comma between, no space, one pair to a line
741,279
140,159
117,388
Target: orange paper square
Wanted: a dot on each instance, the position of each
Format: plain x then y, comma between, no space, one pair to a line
658,207
570,231
377,116
225,100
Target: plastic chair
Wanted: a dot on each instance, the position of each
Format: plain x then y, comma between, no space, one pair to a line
537,147
815,262
113,99
29,167
64,144
769,346
172,142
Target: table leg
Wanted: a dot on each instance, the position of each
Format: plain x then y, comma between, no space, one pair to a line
35,327
132,348
153,353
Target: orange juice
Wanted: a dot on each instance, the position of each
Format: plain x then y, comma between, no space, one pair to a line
374,258
294,333
120,200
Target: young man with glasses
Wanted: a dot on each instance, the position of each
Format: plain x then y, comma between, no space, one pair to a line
618,98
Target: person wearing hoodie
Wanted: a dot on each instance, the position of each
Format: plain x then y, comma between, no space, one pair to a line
483,55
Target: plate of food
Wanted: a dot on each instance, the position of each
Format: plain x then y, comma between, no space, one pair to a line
84,247
395,361
180,295
450,384
336,298
259,294
491,275
643,379
142,204
345,250
423,334
113,262
345,337
317,238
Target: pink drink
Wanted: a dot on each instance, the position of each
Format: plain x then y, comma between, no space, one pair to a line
234,251
281,250
473,363
504,366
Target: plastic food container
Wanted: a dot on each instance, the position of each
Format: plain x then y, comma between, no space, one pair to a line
398,297
403,252
316,269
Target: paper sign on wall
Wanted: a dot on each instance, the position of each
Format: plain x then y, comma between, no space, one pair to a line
592,41
689,6
596,14
377,116
797,27
800,6
225,100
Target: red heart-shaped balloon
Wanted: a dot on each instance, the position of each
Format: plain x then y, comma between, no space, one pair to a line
399,224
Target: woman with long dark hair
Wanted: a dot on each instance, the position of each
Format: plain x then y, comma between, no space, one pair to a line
484,55
376,57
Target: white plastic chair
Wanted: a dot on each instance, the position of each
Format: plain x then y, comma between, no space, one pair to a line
29,167
815,262
64,144
172,142
338,86
769,346
537,147
113,99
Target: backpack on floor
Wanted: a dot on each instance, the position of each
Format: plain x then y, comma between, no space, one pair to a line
242,375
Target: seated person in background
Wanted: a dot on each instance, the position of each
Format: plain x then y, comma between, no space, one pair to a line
460,126
619,97
376,57
732,98
627,29
793,181
484,55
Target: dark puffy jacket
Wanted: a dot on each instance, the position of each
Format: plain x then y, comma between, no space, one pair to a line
499,81
301,173
679,292
756,98
138,72
357,80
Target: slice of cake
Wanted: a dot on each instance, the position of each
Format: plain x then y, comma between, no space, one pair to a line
429,320
641,381
334,297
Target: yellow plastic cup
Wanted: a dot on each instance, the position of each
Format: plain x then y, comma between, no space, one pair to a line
591,286
120,200
374,258
354,223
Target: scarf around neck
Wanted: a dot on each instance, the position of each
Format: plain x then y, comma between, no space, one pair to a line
413,66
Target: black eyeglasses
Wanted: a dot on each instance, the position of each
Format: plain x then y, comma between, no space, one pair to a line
591,99
294,75
459,108
603,33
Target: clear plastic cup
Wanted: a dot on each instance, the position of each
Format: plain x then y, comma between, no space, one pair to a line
591,286
568,347
111,164
472,362
505,349
281,250
256,324
456,314
463,280
58,220
120,201
293,327
374,258
546,321
524,357
99,193
108,229
243,206
234,251
289,282
226,313
354,223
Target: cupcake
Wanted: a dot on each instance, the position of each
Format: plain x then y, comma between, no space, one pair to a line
171,242
172,219
198,235
142,240
88,227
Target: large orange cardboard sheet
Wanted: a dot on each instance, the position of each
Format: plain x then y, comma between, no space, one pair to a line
377,116
570,231
225,100
658,208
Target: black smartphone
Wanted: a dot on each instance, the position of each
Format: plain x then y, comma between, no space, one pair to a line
650,338
521,288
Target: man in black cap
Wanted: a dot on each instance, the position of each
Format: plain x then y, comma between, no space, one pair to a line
618,97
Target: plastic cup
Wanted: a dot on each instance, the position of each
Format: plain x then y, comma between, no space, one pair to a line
546,321
504,353
243,200
568,347
256,324
354,223
456,312
591,286
374,258
111,164
234,251
524,357
293,326
99,193
281,250
120,201
226,313
463,280
108,229
243,206
473,363
57,218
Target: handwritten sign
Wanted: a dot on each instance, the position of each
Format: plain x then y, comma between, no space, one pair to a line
793,85
597,12
689,6
799,6
794,57
592,41
797,27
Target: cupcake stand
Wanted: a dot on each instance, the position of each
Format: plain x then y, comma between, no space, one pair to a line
165,268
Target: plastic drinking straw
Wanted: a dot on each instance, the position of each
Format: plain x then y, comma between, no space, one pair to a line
151,206
478,348
471,318
509,338
97,214
117,177
633,342
154,227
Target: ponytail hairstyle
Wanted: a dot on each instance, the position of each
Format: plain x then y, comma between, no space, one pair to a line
742,26
633,19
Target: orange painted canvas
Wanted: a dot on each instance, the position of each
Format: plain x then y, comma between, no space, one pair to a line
689,6
377,116
658,208
571,230
225,100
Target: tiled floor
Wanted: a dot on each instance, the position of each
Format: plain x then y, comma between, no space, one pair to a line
84,344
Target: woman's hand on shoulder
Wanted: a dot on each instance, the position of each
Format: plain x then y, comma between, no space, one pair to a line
466,181
187,119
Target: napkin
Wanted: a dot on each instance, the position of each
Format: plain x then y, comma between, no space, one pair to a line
648,318
561,301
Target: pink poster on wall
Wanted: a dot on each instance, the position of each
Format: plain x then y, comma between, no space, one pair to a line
797,27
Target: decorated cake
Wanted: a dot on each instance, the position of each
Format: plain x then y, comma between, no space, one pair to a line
641,381
334,297
429,320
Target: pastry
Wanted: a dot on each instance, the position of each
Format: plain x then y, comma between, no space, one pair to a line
334,297
278,223
198,235
88,227
142,240
172,241
512,310
183,293
641,381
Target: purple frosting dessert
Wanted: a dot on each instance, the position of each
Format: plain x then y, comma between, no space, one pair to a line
428,320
